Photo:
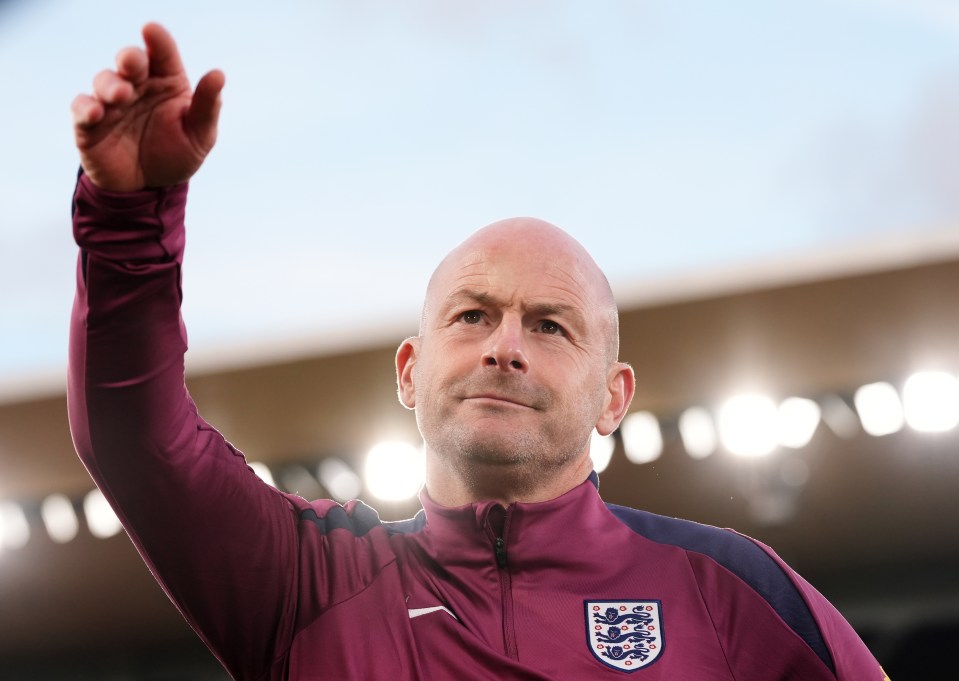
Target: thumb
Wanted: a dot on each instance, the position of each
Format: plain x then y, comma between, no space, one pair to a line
204,111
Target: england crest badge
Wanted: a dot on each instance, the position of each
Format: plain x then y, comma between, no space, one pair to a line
625,635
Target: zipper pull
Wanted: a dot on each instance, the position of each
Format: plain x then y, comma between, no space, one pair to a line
500,550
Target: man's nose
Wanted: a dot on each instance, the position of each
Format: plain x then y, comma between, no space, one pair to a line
506,349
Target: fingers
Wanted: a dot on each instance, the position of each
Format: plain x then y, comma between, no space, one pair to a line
204,110
86,111
112,89
162,51
133,65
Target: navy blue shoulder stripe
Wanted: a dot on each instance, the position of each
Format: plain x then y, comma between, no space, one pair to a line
741,556
362,520
409,526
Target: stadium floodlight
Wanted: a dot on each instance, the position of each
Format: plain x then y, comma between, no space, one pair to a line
748,425
879,408
395,471
59,518
698,432
798,419
601,450
930,401
642,438
263,472
101,520
14,528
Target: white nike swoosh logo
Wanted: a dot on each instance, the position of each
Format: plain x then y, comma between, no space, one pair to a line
416,612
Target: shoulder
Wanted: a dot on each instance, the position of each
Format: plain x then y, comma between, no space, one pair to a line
409,526
752,564
738,553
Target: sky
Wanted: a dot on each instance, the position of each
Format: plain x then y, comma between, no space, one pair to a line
361,140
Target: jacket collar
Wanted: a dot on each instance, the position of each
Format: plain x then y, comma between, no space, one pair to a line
467,533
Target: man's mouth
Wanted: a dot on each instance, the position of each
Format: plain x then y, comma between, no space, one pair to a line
499,400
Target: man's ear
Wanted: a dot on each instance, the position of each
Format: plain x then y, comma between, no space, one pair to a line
620,385
405,360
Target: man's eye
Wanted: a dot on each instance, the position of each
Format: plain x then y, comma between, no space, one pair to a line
550,327
471,317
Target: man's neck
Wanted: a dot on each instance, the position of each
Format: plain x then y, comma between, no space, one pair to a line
503,485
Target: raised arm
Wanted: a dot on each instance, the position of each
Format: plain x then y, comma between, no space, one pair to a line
221,542
143,126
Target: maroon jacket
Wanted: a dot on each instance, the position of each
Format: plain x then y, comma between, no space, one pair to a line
282,588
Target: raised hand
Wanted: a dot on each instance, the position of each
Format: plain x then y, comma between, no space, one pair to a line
143,126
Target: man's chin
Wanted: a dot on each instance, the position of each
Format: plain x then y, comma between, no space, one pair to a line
498,458
499,449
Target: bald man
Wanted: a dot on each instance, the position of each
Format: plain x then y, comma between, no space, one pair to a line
515,569
514,366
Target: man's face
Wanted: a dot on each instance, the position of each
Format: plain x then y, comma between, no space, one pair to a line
511,368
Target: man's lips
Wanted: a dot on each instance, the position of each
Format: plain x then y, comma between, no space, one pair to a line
499,399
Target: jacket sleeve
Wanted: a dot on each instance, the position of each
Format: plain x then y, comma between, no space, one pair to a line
773,625
185,496
851,658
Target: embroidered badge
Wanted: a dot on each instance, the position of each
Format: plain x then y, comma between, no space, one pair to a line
625,635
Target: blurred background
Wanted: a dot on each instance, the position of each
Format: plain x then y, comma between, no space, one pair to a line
772,189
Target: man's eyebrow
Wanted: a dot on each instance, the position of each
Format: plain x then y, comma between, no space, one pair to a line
564,310
466,294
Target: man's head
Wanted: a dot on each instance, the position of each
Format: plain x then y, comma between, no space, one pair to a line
515,364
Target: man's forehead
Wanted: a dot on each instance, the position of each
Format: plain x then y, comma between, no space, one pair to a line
543,301
520,246
509,277
505,250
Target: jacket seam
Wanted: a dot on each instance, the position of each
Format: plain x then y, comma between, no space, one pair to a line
709,613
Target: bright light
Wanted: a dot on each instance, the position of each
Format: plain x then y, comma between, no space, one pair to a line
59,518
642,439
747,425
698,432
263,473
930,400
395,471
880,410
339,479
14,528
101,519
601,450
798,419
